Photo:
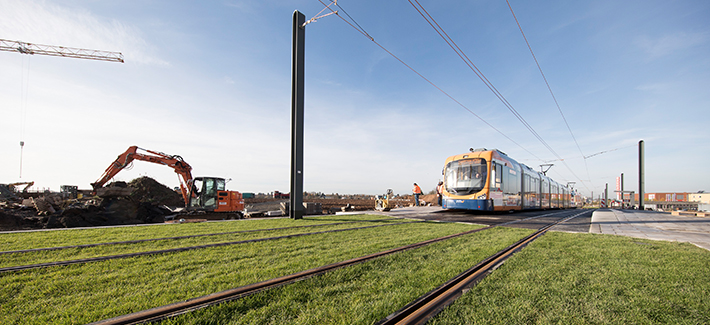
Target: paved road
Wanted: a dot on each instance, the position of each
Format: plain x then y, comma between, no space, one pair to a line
632,223
542,217
652,225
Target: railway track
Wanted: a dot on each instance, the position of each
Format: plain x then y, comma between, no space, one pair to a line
163,312
431,303
31,250
182,249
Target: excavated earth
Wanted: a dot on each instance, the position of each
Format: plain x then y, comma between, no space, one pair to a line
147,204
144,205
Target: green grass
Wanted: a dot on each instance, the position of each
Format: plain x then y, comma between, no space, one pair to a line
15,259
560,278
65,237
363,293
592,279
94,291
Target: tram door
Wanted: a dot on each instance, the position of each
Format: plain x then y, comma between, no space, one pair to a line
497,184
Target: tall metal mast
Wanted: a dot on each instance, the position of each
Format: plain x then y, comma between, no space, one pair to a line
51,50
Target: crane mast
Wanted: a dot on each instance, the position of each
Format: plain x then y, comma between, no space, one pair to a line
67,52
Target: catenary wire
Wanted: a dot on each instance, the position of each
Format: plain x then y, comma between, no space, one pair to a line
475,69
357,27
550,89
432,22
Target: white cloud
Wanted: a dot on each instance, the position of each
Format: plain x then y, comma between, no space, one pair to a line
668,44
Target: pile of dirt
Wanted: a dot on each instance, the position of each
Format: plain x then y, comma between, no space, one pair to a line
108,213
144,205
148,190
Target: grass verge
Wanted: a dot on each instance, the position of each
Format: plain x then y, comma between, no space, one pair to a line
65,237
567,278
363,293
89,292
15,259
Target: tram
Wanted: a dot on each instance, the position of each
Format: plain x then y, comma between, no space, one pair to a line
489,180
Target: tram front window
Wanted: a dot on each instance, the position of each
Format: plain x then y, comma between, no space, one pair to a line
463,177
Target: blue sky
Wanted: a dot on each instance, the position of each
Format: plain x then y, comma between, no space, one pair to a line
210,81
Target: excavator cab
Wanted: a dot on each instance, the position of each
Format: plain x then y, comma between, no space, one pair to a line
209,194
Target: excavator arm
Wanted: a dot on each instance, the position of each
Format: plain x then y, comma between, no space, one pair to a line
183,169
28,185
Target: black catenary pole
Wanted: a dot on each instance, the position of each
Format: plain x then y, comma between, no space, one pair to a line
641,175
622,190
297,91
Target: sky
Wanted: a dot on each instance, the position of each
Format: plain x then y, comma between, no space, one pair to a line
211,81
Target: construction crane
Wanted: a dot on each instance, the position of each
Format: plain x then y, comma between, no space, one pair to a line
51,50
67,52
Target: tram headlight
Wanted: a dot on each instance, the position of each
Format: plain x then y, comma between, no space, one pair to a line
482,197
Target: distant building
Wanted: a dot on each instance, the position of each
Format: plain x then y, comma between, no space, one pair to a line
670,201
699,197
663,197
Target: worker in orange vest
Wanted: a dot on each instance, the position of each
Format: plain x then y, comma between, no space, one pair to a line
417,191
439,191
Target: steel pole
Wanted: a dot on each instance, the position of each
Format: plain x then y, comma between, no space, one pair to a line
622,190
297,110
641,175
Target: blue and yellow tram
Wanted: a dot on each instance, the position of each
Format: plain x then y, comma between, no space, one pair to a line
489,180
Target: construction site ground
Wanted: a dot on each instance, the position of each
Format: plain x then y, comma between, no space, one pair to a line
151,202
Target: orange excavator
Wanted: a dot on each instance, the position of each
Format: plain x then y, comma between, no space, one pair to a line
200,193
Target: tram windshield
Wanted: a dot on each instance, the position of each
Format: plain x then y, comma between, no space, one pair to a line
466,176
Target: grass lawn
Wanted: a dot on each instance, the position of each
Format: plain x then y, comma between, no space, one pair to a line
15,259
567,278
65,237
561,278
78,294
363,293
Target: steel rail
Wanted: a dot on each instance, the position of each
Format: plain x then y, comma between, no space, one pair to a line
159,313
175,237
181,249
171,310
431,303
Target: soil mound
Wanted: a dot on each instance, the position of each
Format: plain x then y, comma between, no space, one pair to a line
144,205
148,190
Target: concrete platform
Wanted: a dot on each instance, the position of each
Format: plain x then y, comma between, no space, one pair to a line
652,225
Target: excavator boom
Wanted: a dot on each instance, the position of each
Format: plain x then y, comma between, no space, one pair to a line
183,169
201,194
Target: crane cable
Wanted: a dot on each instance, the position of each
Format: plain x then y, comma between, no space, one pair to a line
24,96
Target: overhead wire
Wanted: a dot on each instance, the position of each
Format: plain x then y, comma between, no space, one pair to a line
610,150
357,27
463,56
549,88
432,22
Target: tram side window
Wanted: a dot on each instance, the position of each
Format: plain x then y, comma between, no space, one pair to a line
498,176
511,181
